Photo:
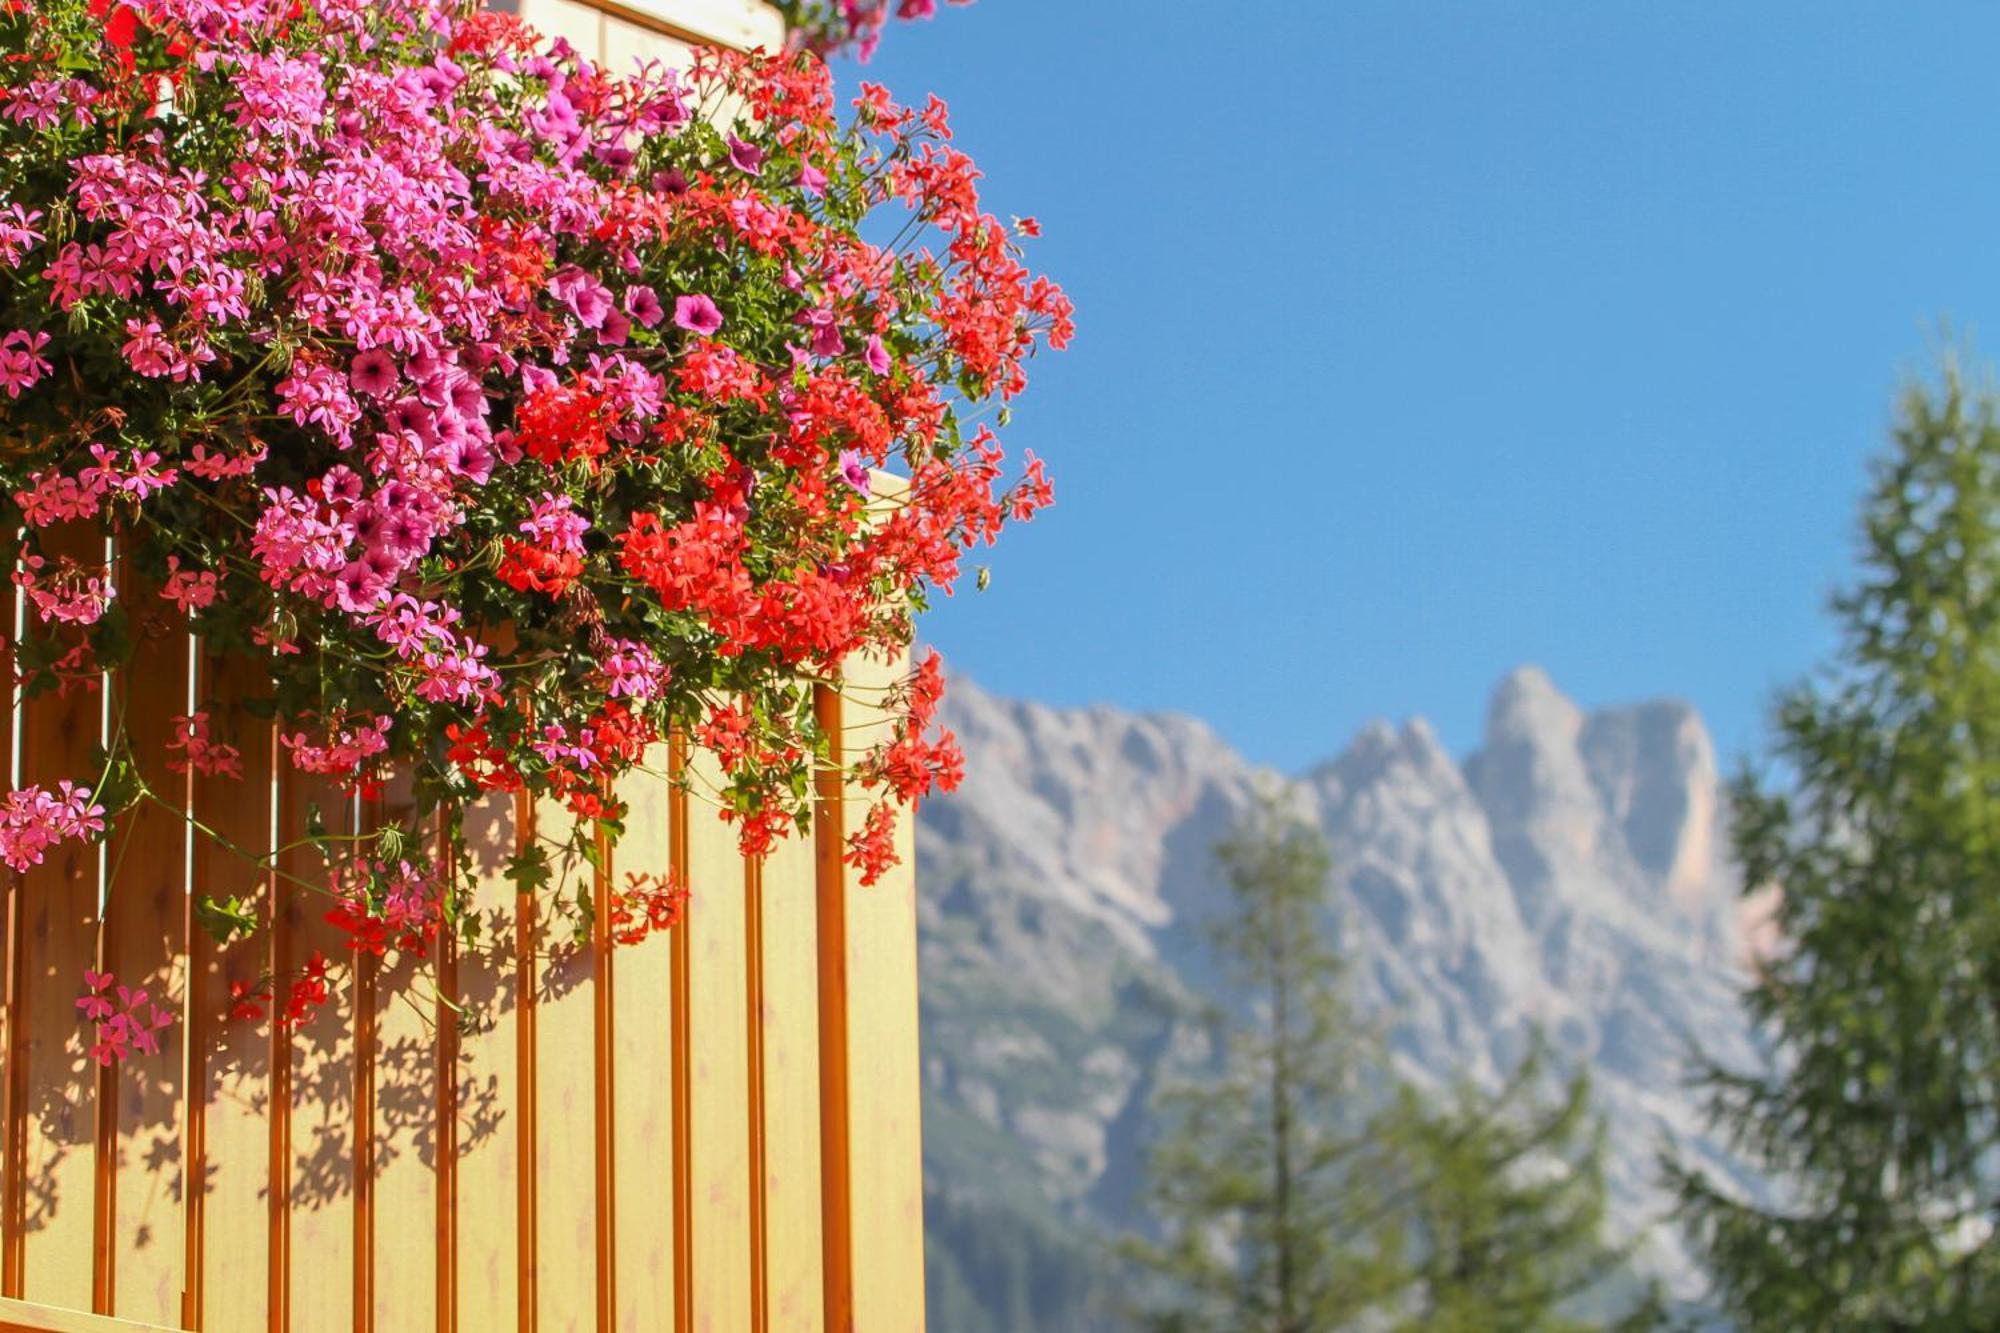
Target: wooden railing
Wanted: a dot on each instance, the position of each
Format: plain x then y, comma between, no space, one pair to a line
714,1129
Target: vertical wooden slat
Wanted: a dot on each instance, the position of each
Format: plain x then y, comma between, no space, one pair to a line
444,1261
719,1036
642,985
488,1079
884,1085
565,1161
681,1075
146,947
830,922
319,1203
229,1123
785,1025
604,1039
57,1084
12,964
403,1198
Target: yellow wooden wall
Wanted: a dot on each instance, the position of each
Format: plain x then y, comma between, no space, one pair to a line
713,1131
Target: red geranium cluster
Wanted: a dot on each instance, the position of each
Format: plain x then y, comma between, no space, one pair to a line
646,904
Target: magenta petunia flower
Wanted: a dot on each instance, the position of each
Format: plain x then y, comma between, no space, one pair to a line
745,156
643,304
373,373
877,355
697,314
854,470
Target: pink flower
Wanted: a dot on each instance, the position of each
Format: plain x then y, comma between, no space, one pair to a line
697,314
190,590
643,304
21,362
745,156
877,356
373,373
587,298
128,1026
198,752
825,326
32,820
854,470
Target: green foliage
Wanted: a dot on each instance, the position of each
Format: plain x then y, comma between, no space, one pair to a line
1503,1195
1295,1196
1882,834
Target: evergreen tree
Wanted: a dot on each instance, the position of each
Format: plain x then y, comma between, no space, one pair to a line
1881,833
1264,1203
1289,1208
1504,1201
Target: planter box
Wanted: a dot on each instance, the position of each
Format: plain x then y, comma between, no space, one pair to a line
714,1129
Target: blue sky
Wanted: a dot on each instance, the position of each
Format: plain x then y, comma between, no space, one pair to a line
1419,340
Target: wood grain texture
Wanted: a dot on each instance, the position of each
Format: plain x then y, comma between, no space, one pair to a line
785,1018
718,1043
146,947
25,1317
320,1134
565,1088
885,1090
730,23
57,1111
403,1214
643,987
488,1128
229,1145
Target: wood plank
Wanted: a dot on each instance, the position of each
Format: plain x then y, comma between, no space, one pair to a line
319,1202
403,1193
25,1317
59,903
146,948
12,963
579,24
230,1122
884,1074
643,991
785,956
490,1241
565,1092
733,23
629,44
682,1072
830,924
719,1042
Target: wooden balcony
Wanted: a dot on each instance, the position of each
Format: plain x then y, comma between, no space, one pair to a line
714,1129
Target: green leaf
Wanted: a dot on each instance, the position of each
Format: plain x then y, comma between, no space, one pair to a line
227,920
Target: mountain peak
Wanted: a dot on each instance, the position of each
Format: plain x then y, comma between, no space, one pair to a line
1527,702
1565,878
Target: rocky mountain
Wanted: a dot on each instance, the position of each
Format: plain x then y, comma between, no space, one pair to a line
1569,877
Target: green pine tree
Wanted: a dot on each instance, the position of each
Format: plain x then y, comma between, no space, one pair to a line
1270,1224
1879,1123
1302,1192
1504,1200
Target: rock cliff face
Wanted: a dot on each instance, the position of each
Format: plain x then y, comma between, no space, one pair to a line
1570,876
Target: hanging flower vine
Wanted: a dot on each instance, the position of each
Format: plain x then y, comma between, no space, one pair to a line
512,413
